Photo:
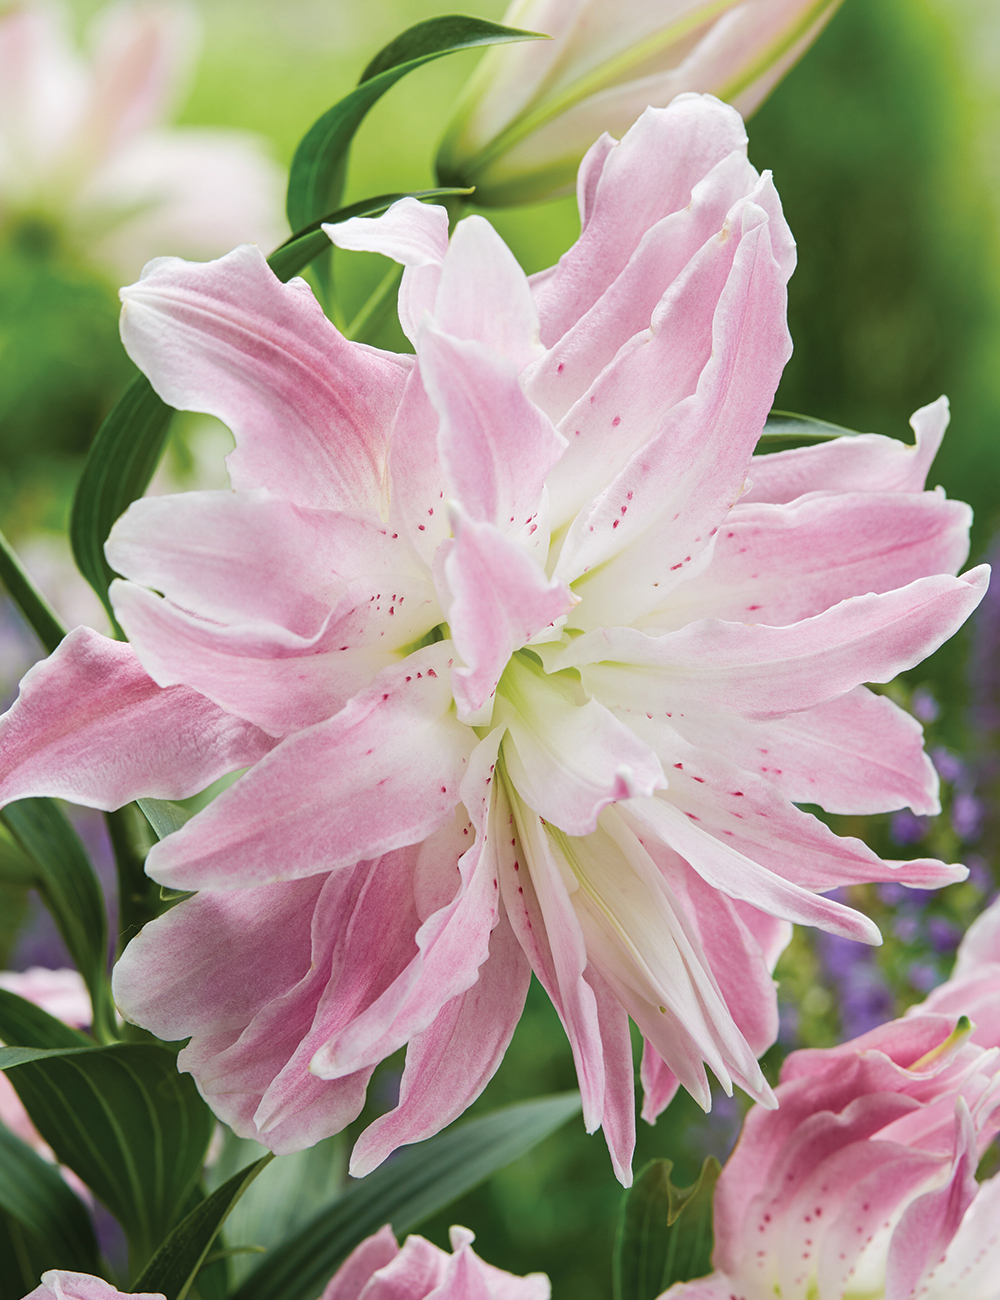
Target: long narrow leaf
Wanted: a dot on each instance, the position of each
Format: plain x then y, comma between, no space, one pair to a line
316,179
133,1128
175,1265
120,463
784,430
664,1232
415,1184
68,886
22,1024
38,613
35,1195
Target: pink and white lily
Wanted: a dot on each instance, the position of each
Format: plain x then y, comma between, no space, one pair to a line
60,1284
531,110
528,657
379,1269
862,1184
83,146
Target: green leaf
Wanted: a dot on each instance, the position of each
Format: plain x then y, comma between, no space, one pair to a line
164,815
316,178
22,1024
124,1119
22,1259
38,613
784,430
120,463
174,1267
35,1195
68,886
415,1184
664,1232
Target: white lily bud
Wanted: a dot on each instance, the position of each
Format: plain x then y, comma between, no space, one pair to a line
531,110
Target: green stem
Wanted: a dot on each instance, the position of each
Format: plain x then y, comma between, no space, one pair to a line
139,898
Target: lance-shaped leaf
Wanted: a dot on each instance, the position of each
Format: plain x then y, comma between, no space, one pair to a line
316,178
664,1232
120,463
35,1196
174,1267
63,876
38,613
784,430
124,1120
415,1184
22,1024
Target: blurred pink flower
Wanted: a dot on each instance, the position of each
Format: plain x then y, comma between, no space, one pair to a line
378,1269
531,110
529,658
862,1183
83,148
57,1284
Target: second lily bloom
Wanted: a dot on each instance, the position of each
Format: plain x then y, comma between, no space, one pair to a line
529,658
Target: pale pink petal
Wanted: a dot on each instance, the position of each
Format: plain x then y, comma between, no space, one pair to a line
569,757
413,233
659,1083
496,447
640,535
415,1273
932,1220
569,367
867,462
716,1287
417,483
498,598
309,410
981,942
374,1253
260,671
749,814
59,1284
382,773
780,564
970,1267
43,93
542,916
449,1063
89,725
237,557
645,396
859,754
739,877
763,672
453,941
501,314
618,1117
648,175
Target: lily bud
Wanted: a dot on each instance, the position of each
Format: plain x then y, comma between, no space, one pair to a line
531,110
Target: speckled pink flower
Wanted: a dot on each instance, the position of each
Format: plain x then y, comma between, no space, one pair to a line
530,660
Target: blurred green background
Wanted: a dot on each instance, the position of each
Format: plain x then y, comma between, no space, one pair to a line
885,146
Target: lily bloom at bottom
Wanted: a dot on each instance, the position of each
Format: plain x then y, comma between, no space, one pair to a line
378,1269
862,1184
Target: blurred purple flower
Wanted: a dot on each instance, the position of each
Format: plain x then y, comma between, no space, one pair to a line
865,1000
907,828
949,766
924,706
892,894
943,934
788,1024
967,815
906,927
924,976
